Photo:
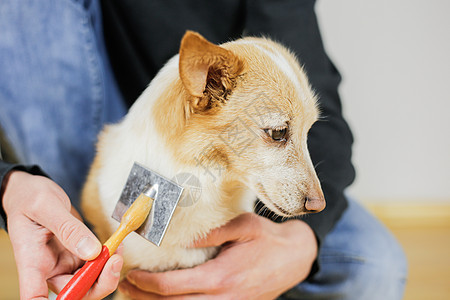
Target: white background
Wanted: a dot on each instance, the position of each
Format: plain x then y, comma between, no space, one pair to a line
394,56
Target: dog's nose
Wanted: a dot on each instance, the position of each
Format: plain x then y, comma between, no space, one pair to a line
314,204
314,198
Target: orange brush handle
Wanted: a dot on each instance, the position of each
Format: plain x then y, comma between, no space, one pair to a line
82,281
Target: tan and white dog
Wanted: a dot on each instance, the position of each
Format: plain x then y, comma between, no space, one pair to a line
236,116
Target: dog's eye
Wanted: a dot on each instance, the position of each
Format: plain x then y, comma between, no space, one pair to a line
278,135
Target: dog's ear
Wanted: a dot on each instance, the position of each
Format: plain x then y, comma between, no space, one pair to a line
208,71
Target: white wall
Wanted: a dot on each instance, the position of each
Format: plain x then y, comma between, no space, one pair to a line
394,56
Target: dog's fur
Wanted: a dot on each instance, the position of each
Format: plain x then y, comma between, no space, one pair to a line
210,112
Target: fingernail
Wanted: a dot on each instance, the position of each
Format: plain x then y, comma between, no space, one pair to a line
116,268
88,248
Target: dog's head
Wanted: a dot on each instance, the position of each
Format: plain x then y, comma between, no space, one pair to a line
246,110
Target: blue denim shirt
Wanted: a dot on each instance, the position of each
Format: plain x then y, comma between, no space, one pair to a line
57,89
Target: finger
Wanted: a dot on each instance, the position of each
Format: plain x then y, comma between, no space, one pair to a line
242,228
57,283
108,280
71,232
106,283
179,282
133,292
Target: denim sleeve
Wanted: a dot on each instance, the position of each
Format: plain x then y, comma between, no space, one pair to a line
294,24
4,169
56,89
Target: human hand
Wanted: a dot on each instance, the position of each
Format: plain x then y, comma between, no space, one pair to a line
259,259
49,241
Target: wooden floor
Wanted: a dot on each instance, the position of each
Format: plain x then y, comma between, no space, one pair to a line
424,233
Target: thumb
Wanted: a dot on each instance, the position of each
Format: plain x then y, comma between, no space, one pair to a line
240,229
75,236
70,231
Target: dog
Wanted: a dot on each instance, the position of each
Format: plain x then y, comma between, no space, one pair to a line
235,116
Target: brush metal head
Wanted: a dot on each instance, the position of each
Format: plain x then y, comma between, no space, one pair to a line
169,193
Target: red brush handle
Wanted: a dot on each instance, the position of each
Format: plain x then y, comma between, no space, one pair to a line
82,281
